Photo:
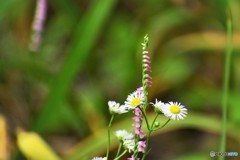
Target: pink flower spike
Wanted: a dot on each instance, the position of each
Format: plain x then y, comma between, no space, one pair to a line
148,76
137,119
137,110
141,134
37,26
138,123
145,52
148,67
147,61
140,89
146,57
141,146
149,84
132,158
40,15
149,81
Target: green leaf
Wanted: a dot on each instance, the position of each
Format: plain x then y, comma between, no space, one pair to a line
86,36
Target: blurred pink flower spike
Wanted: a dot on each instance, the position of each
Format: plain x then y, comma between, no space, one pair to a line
37,25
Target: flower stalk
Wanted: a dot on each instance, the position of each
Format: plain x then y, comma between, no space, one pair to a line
228,54
109,135
137,141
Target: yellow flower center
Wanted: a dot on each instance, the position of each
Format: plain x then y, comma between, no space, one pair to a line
135,102
175,109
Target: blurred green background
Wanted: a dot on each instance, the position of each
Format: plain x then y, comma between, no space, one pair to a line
91,53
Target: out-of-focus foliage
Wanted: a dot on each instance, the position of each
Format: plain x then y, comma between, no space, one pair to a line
34,147
91,53
4,153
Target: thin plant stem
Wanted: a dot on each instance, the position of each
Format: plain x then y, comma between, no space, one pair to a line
121,155
149,134
154,120
145,117
145,97
119,149
225,94
135,154
147,141
148,137
109,125
166,123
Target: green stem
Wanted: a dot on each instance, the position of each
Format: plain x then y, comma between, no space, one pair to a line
145,117
145,97
162,125
121,155
154,120
109,125
147,141
148,137
135,154
166,123
228,53
119,149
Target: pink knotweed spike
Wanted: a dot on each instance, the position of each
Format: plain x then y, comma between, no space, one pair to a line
149,83
145,52
138,123
148,67
37,26
136,119
141,134
132,158
148,76
141,146
140,89
146,57
147,79
137,112
147,61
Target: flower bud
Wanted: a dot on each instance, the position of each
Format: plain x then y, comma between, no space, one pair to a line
156,124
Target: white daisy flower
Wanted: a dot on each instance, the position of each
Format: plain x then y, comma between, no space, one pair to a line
123,135
129,144
99,158
134,99
175,111
159,106
127,138
115,108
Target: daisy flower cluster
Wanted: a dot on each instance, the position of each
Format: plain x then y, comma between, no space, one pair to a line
128,141
173,110
137,141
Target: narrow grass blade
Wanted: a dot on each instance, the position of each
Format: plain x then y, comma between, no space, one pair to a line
86,35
